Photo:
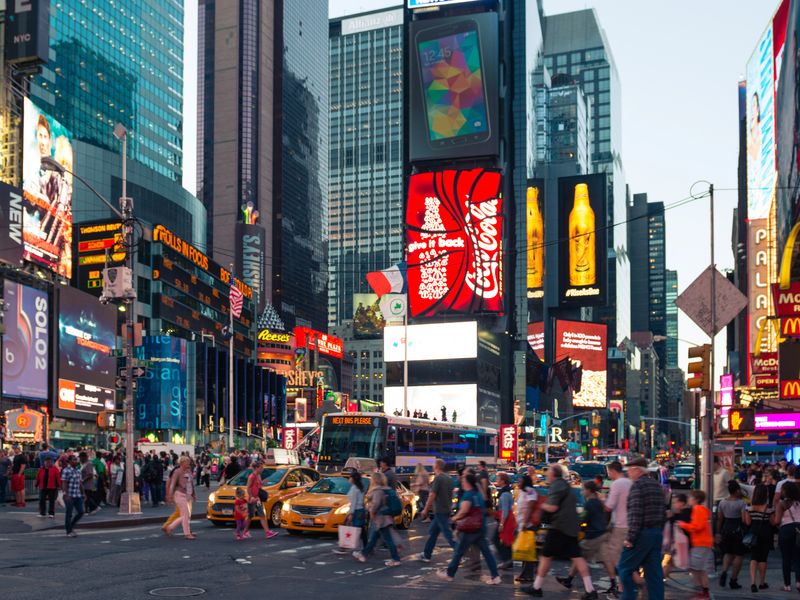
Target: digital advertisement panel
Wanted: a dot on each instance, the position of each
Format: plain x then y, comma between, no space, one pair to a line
47,222
536,338
86,370
11,245
585,345
448,401
368,321
789,370
436,341
161,395
534,227
453,96
454,242
582,239
26,341
98,245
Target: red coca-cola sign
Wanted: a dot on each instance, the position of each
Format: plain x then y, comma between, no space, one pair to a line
454,242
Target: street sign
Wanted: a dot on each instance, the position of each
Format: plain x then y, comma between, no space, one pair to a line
145,364
117,352
120,382
695,301
137,372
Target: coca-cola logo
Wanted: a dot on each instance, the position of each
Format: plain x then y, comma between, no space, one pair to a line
484,276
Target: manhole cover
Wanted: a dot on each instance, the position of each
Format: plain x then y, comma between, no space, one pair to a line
177,592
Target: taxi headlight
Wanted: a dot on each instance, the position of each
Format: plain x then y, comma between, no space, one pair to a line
212,497
287,506
342,510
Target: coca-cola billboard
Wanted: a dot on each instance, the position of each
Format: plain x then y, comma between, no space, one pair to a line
454,242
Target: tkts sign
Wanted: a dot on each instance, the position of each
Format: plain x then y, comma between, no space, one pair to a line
454,243
508,442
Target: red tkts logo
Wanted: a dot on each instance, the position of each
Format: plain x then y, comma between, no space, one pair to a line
454,242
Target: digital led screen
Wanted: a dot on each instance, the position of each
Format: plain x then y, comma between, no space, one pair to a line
26,341
585,345
436,341
454,242
536,338
11,219
47,221
162,394
534,236
98,245
86,336
583,251
368,321
454,88
436,400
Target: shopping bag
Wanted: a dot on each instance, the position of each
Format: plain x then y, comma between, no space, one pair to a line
680,556
60,499
349,537
524,547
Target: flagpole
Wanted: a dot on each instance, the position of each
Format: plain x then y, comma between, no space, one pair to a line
230,371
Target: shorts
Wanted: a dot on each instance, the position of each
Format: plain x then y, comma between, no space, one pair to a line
592,549
255,510
612,549
701,559
560,546
17,482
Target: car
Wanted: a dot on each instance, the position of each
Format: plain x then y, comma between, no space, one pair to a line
682,477
590,469
281,482
324,507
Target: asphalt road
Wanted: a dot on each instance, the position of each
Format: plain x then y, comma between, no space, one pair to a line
129,563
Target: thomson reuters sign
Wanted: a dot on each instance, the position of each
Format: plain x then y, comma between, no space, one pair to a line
265,335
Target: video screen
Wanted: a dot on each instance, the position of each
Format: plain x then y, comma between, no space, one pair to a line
26,341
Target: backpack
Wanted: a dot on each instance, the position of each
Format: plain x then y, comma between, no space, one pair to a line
393,508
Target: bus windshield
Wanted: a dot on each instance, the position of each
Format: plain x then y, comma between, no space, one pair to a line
340,441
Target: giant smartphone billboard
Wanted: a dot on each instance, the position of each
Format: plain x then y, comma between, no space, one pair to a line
86,369
454,242
453,95
585,345
583,252
47,222
26,341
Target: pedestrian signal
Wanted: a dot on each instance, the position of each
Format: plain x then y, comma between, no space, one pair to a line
742,420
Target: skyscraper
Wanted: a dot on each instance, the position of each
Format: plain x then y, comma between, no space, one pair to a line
263,131
576,52
366,177
672,319
647,252
122,63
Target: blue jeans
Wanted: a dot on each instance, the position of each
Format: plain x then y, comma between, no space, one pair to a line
72,504
385,533
790,555
465,540
646,553
440,524
3,488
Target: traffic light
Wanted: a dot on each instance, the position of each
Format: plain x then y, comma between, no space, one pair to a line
700,369
113,439
742,420
106,419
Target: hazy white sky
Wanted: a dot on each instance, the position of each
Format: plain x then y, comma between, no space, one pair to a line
679,63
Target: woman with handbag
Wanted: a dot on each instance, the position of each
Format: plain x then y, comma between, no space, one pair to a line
526,504
730,533
471,526
758,538
256,496
787,518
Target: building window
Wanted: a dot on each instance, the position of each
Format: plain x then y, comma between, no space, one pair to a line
143,290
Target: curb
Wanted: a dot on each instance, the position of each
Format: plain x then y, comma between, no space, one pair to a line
111,524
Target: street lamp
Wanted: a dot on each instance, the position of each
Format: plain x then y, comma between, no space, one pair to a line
130,503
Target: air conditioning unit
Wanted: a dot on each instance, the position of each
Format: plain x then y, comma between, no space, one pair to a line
117,284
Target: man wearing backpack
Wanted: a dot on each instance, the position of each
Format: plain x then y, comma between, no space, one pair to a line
382,504
440,500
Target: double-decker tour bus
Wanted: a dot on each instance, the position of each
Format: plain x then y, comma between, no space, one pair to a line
403,440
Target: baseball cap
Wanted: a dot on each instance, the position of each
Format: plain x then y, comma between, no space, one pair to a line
639,461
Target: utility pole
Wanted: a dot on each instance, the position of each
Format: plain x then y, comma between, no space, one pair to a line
231,423
708,444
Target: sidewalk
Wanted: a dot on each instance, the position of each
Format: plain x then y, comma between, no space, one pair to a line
24,520
679,586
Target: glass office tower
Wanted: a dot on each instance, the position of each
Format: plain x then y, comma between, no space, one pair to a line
672,319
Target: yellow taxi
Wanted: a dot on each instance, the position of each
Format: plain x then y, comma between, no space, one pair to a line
324,506
281,483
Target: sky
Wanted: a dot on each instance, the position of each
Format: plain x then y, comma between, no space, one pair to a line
679,63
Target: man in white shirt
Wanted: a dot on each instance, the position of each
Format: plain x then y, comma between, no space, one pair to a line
721,478
617,505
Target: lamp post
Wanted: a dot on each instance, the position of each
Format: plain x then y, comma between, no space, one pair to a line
130,503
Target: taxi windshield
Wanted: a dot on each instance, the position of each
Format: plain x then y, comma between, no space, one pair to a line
331,485
268,476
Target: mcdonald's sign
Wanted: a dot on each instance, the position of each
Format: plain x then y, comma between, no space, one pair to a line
787,302
789,370
790,327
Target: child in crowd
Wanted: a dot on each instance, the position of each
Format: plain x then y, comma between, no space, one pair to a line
240,513
701,554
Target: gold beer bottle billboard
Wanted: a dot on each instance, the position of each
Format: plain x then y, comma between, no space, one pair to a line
535,239
582,259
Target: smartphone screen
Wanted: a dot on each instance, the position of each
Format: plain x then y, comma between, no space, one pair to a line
452,82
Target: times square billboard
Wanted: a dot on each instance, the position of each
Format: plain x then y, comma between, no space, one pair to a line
586,347
454,242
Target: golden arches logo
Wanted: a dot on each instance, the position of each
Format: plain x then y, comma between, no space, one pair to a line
790,327
790,389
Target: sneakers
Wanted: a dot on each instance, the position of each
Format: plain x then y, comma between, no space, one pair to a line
489,580
443,575
565,581
392,563
723,579
269,534
590,595
359,557
51,516
238,537
246,535
787,588
506,566
72,534
421,557
532,591
41,516
338,550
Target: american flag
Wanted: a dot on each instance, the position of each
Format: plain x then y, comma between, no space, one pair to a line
236,298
